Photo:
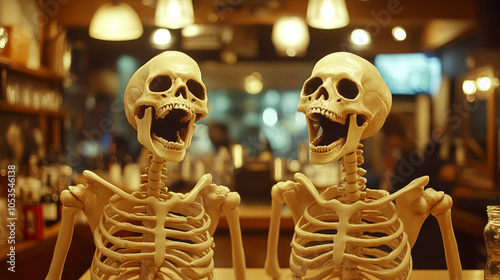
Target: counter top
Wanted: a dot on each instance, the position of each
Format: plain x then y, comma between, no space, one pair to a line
259,273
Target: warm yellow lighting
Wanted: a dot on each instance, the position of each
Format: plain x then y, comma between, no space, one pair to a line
469,87
399,33
115,22
483,83
360,37
192,30
237,156
290,36
4,38
278,169
66,60
174,13
291,52
161,38
327,14
253,83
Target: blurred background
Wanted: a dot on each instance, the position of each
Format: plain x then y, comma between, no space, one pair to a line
65,65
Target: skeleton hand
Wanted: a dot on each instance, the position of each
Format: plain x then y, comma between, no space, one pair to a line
293,194
414,207
297,197
219,199
90,198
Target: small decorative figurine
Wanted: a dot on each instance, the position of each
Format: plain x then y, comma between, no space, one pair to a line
348,231
155,233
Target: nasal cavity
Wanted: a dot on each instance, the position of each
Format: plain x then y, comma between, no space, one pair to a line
322,92
181,91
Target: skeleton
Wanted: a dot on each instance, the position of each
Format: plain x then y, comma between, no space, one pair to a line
155,233
348,231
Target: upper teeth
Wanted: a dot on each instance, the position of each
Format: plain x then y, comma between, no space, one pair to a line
325,112
163,111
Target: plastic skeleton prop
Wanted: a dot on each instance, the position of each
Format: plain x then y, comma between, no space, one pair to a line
349,231
154,233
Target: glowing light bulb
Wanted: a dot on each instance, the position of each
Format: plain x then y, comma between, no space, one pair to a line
483,83
253,83
290,36
161,38
399,33
360,37
469,87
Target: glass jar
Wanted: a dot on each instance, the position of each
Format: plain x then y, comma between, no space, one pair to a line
492,242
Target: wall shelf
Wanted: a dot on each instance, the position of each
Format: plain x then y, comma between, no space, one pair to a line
12,108
42,73
16,80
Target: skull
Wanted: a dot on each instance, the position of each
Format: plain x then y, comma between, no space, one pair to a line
162,100
345,100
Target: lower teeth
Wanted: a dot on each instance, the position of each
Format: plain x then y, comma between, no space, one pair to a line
328,148
169,144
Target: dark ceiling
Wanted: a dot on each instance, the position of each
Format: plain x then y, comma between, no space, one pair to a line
430,25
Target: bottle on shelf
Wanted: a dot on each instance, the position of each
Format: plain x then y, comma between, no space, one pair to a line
32,210
50,203
492,243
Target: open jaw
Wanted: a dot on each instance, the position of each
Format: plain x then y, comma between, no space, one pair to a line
170,125
328,131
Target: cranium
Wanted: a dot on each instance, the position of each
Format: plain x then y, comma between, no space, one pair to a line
345,100
162,100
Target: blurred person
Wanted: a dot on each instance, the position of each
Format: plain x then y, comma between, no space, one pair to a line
405,163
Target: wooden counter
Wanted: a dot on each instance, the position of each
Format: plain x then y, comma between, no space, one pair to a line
259,273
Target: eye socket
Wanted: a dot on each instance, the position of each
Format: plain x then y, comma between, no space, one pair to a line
160,83
196,89
312,85
347,88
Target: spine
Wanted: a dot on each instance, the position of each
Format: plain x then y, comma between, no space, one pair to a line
354,181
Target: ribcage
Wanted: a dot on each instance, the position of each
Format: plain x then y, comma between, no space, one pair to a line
141,237
362,241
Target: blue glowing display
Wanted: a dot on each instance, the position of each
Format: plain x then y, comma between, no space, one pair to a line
410,73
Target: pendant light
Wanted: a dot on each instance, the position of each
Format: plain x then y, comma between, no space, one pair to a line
174,14
327,14
115,22
290,36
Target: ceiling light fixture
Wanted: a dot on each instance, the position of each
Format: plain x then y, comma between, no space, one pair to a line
161,38
483,83
290,36
360,37
115,22
327,14
398,33
174,14
469,87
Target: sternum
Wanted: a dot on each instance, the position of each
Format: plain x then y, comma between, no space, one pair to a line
155,186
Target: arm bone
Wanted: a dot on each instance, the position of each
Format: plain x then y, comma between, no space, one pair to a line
71,207
231,211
